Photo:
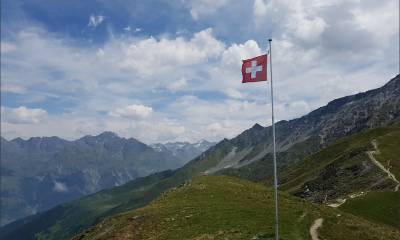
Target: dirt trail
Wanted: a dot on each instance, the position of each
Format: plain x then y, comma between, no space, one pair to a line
378,164
314,228
337,203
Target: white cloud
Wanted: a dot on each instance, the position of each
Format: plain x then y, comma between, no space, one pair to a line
60,187
200,8
178,84
128,29
380,26
6,47
95,20
259,8
12,88
132,111
306,29
235,53
100,52
23,115
150,56
233,93
229,117
155,130
296,18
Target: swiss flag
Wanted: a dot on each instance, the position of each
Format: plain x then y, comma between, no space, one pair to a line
254,69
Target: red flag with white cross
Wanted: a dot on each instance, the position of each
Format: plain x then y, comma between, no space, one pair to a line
254,69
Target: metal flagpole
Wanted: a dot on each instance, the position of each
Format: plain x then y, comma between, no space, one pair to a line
273,144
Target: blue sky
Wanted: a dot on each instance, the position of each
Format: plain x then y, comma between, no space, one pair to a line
170,70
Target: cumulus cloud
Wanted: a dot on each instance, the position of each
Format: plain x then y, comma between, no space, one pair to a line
132,111
12,88
95,20
297,19
155,130
6,47
235,53
23,115
151,56
200,8
178,84
233,93
260,8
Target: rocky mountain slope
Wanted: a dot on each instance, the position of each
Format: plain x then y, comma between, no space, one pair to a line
248,156
39,173
347,168
212,207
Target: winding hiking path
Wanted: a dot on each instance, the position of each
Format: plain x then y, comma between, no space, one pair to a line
314,228
378,164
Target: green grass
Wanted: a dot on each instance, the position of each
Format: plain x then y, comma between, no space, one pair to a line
212,207
379,207
337,165
389,146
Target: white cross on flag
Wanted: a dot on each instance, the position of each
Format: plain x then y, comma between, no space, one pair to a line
254,69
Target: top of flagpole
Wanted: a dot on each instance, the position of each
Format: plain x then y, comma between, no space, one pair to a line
270,39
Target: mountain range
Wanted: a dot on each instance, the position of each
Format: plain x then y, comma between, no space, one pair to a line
42,172
347,148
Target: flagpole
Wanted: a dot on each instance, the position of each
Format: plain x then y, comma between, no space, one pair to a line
273,145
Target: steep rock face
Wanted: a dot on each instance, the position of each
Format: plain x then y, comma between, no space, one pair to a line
40,173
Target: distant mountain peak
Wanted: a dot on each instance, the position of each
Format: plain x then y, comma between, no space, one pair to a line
18,139
257,127
203,141
183,150
107,134
102,136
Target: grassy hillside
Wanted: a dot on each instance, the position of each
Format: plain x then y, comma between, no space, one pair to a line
211,207
389,146
345,167
379,207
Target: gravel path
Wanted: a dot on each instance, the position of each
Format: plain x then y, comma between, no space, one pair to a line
314,228
378,164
